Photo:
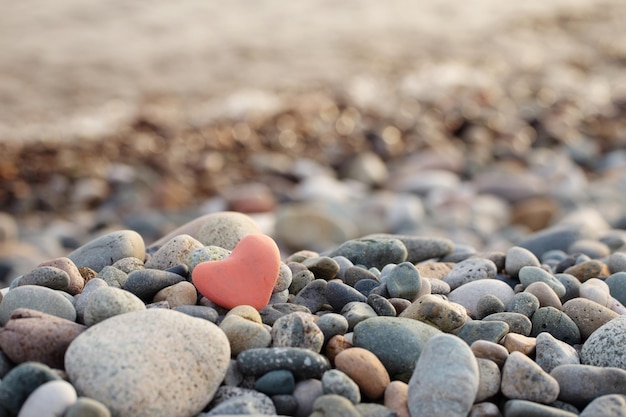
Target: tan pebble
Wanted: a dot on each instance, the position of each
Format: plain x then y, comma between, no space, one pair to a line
436,311
244,334
596,290
246,312
588,315
489,379
365,369
31,335
489,350
87,273
590,269
77,282
546,295
173,252
436,270
535,213
182,293
515,342
335,346
396,396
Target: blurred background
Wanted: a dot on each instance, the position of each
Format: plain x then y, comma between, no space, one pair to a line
480,121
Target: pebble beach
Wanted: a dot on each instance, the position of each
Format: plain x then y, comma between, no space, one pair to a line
419,235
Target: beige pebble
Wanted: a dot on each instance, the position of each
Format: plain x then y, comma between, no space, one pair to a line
489,350
488,379
31,335
247,312
590,269
588,315
438,312
596,290
244,334
434,269
546,295
365,369
173,252
77,282
335,346
396,396
515,342
179,294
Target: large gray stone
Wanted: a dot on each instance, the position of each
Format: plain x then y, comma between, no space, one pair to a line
108,249
36,297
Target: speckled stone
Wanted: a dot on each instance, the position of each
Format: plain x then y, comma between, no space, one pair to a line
21,381
337,382
589,269
557,323
145,283
304,363
436,270
396,341
489,304
47,276
492,331
174,252
580,384
446,370
470,270
517,258
244,334
108,302
239,401
588,315
488,380
182,293
332,324
434,310
419,248
530,274
605,346
77,282
113,276
284,279
551,352
128,265
523,379
81,300
117,363
524,303
469,294
381,305
518,323
106,250
404,281
331,405
356,312
606,406
49,399
38,298
31,335
372,252
87,407
297,330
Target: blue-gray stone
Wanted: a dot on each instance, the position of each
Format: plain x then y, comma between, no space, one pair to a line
551,352
617,286
332,324
87,407
356,312
335,381
606,406
491,331
404,281
201,312
374,410
381,305
279,382
21,381
304,363
339,294
530,274
113,276
524,408
313,295
580,384
518,323
299,280
556,237
372,252
524,303
488,304
272,312
323,267
47,276
286,405
331,405
355,274
422,248
571,284
37,298
396,341
367,286
469,270
145,283
557,323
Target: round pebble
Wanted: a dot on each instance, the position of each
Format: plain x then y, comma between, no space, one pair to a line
404,281
365,369
488,379
279,382
524,303
530,274
174,252
337,382
108,302
145,283
339,294
21,381
434,310
557,323
605,346
244,334
323,267
489,304
588,315
469,294
356,312
113,276
182,293
517,258
332,324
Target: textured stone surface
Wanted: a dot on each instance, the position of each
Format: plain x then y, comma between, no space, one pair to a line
38,298
108,302
580,384
365,369
106,250
605,346
523,379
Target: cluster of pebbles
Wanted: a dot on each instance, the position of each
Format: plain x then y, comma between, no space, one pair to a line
381,325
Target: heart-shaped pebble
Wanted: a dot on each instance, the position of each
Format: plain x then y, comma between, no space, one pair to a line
246,277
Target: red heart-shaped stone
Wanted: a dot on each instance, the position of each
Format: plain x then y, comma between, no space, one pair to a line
247,276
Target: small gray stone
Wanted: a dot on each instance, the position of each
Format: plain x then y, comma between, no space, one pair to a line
404,281
331,405
306,393
332,324
300,279
489,379
297,330
605,346
113,276
470,270
469,294
571,284
354,274
128,265
323,267
108,249
381,305
335,381
47,276
284,279
524,303
356,312
617,286
201,312
304,363
489,304
419,248
557,323
339,294
523,379
491,331
616,262
556,237
286,405
244,403
145,283
446,370
372,252
374,410
518,323
606,406
203,254
530,274
580,384
517,258
272,312
174,252
551,352
36,297
108,302
313,296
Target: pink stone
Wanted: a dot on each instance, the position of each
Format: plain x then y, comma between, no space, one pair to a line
246,277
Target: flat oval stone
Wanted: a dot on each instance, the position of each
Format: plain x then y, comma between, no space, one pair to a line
123,361
589,269
446,370
551,352
77,282
469,294
372,252
397,342
108,302
31,335
301,279
365,369
518,323
581,384
489,304
381,305
179,294
339,294
313,295
279,382
571,284
605,346
87,407
337,382
530,274
106,250
489,379
36,297
524,303
49,399
490,350
356,312
21,381
174,252
205,254
81,300
588,315
47,276
556,237
201,312
272,312
434,310
304,363
334,405
517,258
354,274
470,270
404,281
240,401
297,330
607,406
524,408
545,295
617,286
492,331
557,323
323,267
145,283
523,379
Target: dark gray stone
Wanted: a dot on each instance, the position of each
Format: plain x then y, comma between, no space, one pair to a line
279,382
372,252
339,294
145,283
304,363
21,381
558,324
491,331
